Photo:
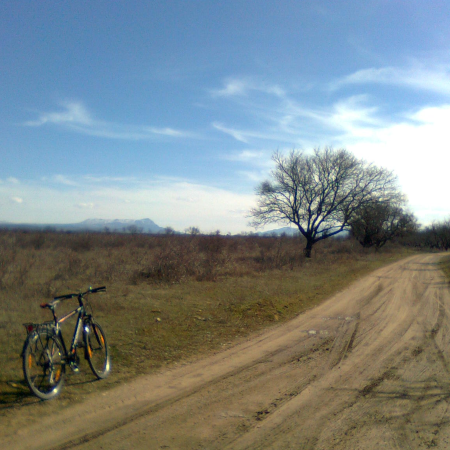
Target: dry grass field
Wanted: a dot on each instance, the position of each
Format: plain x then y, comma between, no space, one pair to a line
169,298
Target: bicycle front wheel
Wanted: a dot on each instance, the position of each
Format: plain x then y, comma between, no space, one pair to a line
43,364
97,352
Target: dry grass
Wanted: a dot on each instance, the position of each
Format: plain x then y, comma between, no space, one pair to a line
445,266
169,298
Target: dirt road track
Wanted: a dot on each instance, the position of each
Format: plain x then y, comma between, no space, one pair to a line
368,369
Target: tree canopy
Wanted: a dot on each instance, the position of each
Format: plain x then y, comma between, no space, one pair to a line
320,192
377,223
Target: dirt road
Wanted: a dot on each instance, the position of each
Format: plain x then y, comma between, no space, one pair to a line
368,369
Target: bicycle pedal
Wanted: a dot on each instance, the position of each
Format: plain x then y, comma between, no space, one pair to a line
74,367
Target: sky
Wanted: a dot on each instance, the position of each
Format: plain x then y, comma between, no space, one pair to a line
171,110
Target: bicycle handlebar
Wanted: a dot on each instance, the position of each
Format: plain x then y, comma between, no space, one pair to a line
56,300
63,297
89,291
99,289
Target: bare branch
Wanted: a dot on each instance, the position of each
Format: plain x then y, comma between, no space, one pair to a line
321,192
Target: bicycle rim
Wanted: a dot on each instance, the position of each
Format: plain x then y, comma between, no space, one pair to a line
97,352
43,364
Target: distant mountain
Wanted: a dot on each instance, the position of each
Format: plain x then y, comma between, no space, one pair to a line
288,231
142,225
117,225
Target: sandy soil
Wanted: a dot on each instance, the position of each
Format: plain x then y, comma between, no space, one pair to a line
368,369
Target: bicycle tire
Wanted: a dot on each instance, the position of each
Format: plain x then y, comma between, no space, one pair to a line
43,364
97,351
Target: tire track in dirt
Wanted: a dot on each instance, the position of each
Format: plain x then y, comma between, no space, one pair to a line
314,441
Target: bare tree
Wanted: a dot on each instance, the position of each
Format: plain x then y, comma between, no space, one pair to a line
440,234
320,192
169,231
193,231
133,229
379,222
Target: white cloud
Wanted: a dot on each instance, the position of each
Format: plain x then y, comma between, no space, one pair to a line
83,205
256,176
232,87
166,131
12,180
185,199
17,199
61,179
75,117
106,179
175,203
350,113
415,145
252,135
73,113
243,86
247,156
255,165
417,150
435,79
237,134
287,122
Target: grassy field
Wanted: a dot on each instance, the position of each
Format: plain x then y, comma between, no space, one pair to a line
169,298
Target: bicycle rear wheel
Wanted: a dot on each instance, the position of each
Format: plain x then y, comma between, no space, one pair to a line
43,364
97,352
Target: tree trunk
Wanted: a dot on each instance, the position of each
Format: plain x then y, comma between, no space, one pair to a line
308,249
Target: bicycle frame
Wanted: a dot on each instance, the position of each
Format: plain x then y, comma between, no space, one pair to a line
77,331
55,324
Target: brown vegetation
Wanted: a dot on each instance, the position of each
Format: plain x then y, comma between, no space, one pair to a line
169,296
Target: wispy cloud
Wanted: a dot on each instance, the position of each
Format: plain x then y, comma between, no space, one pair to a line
62,179
75,117
435,79
17,199
292,124
246,156
257,136
254,176
73,113
258,162
167,132
239,135
108,179
352,118
231,87
286,120
83,205
243,86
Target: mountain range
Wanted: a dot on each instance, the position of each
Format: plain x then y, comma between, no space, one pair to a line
122,225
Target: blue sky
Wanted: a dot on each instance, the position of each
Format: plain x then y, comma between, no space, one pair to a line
172,109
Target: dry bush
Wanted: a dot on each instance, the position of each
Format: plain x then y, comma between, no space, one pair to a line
45,261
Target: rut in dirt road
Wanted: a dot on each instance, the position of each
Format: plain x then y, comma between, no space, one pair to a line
369,368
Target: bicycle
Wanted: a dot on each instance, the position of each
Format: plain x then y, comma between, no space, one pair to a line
45,354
